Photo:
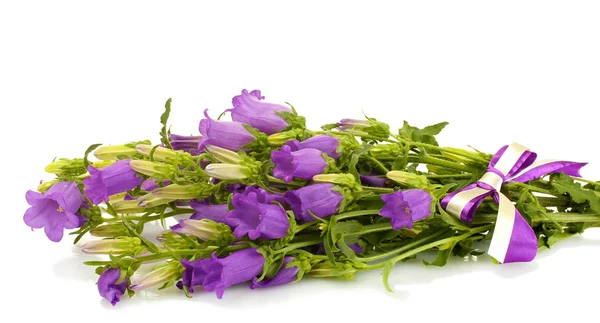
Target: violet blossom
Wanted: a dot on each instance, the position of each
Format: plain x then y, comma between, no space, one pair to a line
204,210
225,134
114,179
406,207
217,274
325,143
188,144
304,163
320,199
257,220
108,286
283,276
55,210
248,108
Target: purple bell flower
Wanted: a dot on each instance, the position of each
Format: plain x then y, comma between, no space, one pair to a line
320,199
108,287
373,181
193,274
248,108
186,143
55,210
283,276
225,134
350,124
114,179
304,163
217,274
406,207
150,184
215,212
257,220
324,143
263,196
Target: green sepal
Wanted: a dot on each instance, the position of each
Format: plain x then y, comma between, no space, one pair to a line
91,148
293,119
164,118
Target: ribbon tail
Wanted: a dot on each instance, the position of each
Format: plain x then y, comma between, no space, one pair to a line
514,240
545,167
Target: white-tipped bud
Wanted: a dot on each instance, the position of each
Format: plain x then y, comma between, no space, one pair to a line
223,155
227,171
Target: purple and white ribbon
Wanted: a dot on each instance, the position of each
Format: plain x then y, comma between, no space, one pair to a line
514,240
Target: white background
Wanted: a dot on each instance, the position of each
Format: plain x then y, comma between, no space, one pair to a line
77,73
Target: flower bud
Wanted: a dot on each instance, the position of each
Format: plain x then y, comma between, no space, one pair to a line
347,180
100,164
178,192
280,138
385,150
120,245
110,230
56,166
148,168
326,270
204,229
227,171
223,155
160,153
128,207
408,179
114,152
149,200
160,275
45,186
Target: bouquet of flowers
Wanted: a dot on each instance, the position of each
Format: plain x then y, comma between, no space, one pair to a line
262,199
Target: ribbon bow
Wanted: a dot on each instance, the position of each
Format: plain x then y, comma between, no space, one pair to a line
514,240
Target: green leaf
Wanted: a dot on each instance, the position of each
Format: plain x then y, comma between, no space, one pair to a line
442,257
164,118
91,148
564,184
433,130
425,135
441,192
452,220
386,275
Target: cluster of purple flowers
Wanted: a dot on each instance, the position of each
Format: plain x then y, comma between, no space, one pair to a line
253,213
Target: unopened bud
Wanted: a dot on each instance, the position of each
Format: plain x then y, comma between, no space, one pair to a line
118,246
160,275
114,152
227,171
408,179
223,155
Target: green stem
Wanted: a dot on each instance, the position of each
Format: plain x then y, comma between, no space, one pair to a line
435,176
379,190
348,215
378,164
409,246
458,153
150,218
278,181
447,164
561,217
304,226
433,244
371,228
531,188
298,245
